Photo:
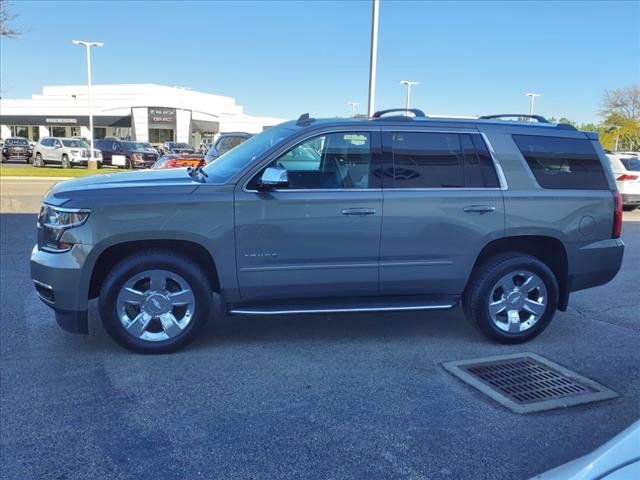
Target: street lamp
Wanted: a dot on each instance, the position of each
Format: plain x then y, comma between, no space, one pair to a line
91,164
532,97
353,106
409,84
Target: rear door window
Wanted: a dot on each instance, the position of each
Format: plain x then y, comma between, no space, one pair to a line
563,163
438,160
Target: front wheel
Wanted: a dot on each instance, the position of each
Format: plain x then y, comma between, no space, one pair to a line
511,298
65,161
155,302
38,162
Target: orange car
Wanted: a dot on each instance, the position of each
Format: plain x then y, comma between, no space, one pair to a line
175,160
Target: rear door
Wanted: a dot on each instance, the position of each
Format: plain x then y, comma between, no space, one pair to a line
442,203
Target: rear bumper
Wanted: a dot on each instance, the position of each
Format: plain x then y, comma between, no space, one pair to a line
630,198
595,264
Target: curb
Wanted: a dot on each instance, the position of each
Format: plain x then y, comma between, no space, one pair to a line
18,177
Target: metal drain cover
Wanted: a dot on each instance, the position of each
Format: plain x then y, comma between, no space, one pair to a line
527,382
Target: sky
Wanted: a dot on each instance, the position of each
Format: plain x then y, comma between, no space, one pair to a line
286,58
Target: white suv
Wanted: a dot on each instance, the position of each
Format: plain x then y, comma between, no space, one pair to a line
67,152
626,169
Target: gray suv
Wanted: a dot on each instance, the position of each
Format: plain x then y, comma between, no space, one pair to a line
389,213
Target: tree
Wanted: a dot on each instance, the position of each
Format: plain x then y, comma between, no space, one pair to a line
622,103
6,17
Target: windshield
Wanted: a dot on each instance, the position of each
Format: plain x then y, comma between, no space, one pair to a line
181,145
74,143
232,162
133,146
16,141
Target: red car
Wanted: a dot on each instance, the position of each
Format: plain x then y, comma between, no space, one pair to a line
175,160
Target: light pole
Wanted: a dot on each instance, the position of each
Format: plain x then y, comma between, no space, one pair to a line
353,106
409,84
91,164
373,63
532,97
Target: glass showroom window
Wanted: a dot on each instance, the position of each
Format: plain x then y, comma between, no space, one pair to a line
58,131
160,135
19,131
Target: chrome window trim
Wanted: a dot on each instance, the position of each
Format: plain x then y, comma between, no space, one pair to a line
492,153
300,141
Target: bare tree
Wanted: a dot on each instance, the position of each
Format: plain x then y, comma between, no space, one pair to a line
622,102
6,17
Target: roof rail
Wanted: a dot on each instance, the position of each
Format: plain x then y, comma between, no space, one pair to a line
305,120
416,112
539,118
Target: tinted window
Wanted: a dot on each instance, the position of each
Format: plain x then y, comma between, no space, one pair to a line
335,160
567,163
426,160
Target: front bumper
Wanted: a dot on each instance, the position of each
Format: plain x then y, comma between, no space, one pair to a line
17,156
59,282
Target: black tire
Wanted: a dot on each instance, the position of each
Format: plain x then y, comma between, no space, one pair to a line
28,161
629,208
64,163
128,164
479,290
150,260
38,162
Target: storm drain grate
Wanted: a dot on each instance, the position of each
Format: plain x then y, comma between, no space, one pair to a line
528,382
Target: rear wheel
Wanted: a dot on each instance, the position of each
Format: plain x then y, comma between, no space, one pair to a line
511,298
65,161
155,302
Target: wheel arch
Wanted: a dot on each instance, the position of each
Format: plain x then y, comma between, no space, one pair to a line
111,255
547,249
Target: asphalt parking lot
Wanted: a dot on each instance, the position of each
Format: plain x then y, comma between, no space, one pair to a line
323,396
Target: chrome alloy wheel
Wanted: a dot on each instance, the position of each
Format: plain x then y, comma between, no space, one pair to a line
517,301
155,305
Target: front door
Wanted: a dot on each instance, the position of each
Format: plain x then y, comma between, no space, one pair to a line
442,204
320,235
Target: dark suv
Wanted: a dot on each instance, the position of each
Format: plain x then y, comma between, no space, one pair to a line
389,213
17,148
125,154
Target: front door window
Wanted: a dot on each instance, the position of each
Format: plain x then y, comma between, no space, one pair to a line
340,160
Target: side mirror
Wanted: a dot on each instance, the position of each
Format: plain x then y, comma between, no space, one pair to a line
273,178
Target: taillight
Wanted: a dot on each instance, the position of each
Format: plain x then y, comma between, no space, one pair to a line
627,178
171,164
617,215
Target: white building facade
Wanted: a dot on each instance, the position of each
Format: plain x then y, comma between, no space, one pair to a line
142,112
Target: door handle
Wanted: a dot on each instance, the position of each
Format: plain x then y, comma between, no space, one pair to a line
479,209
358,211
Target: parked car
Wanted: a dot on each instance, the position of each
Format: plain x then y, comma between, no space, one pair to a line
125,154
501,216
66,152
149,148
179,161
17,148
224,143
626,170
176,147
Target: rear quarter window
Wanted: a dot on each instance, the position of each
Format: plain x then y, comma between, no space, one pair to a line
631,164
563,163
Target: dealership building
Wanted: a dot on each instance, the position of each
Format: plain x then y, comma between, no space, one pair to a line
142,112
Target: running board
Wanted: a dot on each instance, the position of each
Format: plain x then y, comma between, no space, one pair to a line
336,305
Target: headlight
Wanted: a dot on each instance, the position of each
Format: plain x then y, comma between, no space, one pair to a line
75,152
54,221
137,157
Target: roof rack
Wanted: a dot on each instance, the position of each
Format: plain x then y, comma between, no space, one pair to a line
539,118
305,120
416,112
